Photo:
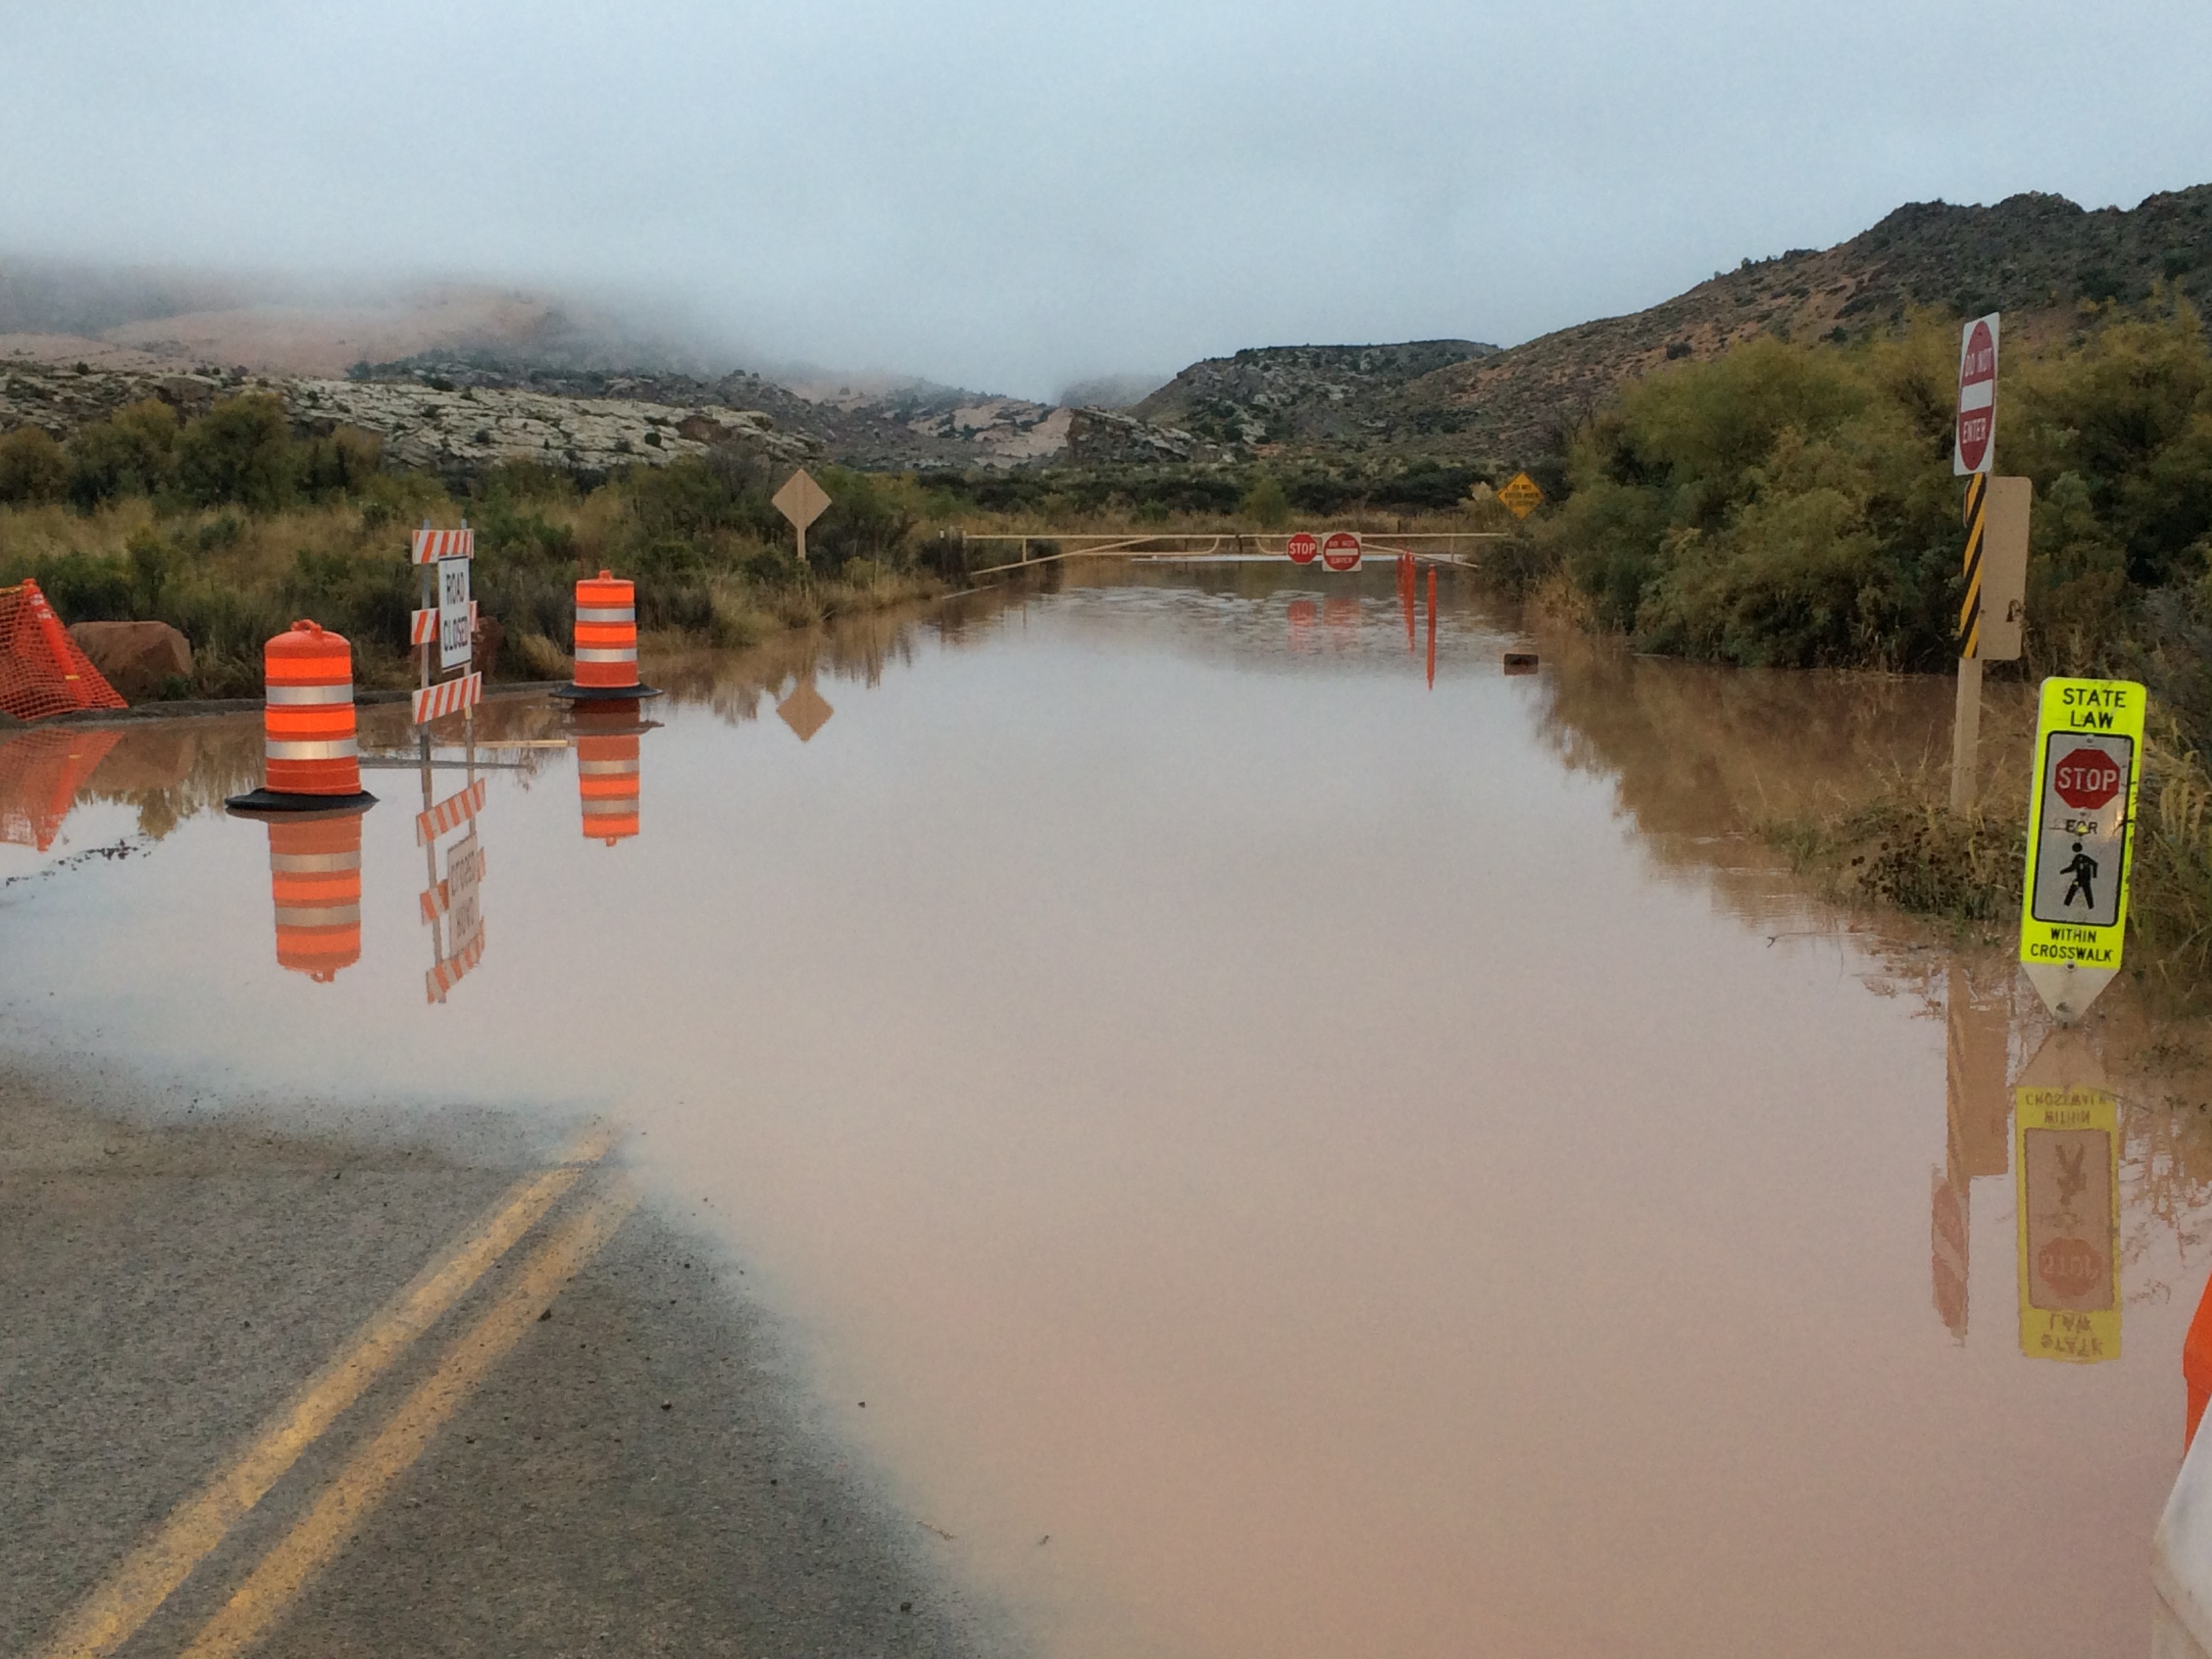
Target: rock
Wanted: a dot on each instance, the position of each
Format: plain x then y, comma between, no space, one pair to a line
135,658
485,642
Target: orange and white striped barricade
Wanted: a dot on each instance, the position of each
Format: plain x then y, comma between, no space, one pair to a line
314,751
606,642
314,878
608,754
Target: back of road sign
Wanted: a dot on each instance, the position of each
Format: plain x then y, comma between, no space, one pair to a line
2074,902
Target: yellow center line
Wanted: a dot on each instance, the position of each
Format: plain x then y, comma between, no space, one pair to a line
352,1497
151,1572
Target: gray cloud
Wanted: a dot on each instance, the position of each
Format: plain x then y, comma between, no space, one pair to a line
1011,197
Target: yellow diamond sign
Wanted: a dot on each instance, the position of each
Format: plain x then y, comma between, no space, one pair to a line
1522,494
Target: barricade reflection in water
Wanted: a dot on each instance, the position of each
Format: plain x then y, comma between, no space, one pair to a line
40,773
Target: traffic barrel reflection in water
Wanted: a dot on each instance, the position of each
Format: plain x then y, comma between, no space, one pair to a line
314,878
606,642
313,753
608,768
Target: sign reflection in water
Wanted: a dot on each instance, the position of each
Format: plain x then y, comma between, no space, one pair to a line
449,904
1977,1111
2067,1163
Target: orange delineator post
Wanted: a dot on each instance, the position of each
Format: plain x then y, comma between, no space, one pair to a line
315,878
2196,1363
43,672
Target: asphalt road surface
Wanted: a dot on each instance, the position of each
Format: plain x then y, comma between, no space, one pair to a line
351,1394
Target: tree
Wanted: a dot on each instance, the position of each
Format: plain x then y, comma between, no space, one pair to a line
1265,504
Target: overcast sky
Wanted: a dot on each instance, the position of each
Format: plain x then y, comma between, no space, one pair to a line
1010,196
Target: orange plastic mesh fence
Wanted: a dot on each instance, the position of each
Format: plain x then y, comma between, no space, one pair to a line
42,671
40,773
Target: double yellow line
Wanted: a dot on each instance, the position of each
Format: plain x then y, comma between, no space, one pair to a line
152,1571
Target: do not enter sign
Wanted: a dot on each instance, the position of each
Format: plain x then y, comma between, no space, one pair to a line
2087,778
1341,552
1977,397
1304,548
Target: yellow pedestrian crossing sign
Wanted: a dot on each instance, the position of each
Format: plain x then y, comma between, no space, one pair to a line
2081,841
1521,494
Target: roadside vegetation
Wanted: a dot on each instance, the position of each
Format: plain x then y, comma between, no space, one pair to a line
1793,506
229,527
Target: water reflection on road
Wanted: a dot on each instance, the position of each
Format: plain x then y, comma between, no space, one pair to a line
1296,1162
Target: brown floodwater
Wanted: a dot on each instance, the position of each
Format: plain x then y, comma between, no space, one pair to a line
1297,1159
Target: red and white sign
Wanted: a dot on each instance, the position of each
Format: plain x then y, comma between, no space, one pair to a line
1304,548
2087,778
448,974
432,545
435,702
1976,451
1341,552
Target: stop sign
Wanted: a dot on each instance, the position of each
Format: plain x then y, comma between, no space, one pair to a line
1341,552
1304,548
2087,778
2071,1267
1977,395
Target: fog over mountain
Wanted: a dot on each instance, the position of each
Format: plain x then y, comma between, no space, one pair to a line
1015,199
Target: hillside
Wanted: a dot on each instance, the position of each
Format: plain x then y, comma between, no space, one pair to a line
2035,258
1322,396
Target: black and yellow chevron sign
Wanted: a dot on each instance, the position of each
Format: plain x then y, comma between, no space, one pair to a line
1970,609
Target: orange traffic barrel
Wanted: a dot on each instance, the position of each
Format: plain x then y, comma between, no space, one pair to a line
314,877
606,642
313,753
607,769
2196,1363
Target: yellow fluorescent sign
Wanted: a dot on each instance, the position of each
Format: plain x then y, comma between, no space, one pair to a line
2066,1154
2089,758
1522,494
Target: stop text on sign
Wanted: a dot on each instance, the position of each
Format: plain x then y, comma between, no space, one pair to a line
1304,548
1975,450
2087,778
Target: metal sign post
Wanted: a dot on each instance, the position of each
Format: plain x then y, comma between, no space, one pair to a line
802,501
1973,457
2081,850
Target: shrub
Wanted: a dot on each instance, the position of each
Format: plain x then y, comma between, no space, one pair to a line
239,451
33,467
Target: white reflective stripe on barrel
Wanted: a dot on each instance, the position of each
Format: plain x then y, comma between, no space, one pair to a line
334,749
627,653
606,613
291,695
614,806
589,768
338,915
300,864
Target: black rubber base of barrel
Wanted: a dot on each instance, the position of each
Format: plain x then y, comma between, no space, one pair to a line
271,804
575,693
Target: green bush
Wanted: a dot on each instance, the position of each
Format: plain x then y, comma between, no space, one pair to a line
133,452
32,467
241,451
1792,505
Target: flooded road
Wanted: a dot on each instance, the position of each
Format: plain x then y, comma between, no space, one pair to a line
1296,1159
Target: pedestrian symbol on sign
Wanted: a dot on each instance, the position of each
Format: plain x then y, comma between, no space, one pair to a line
2083,869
